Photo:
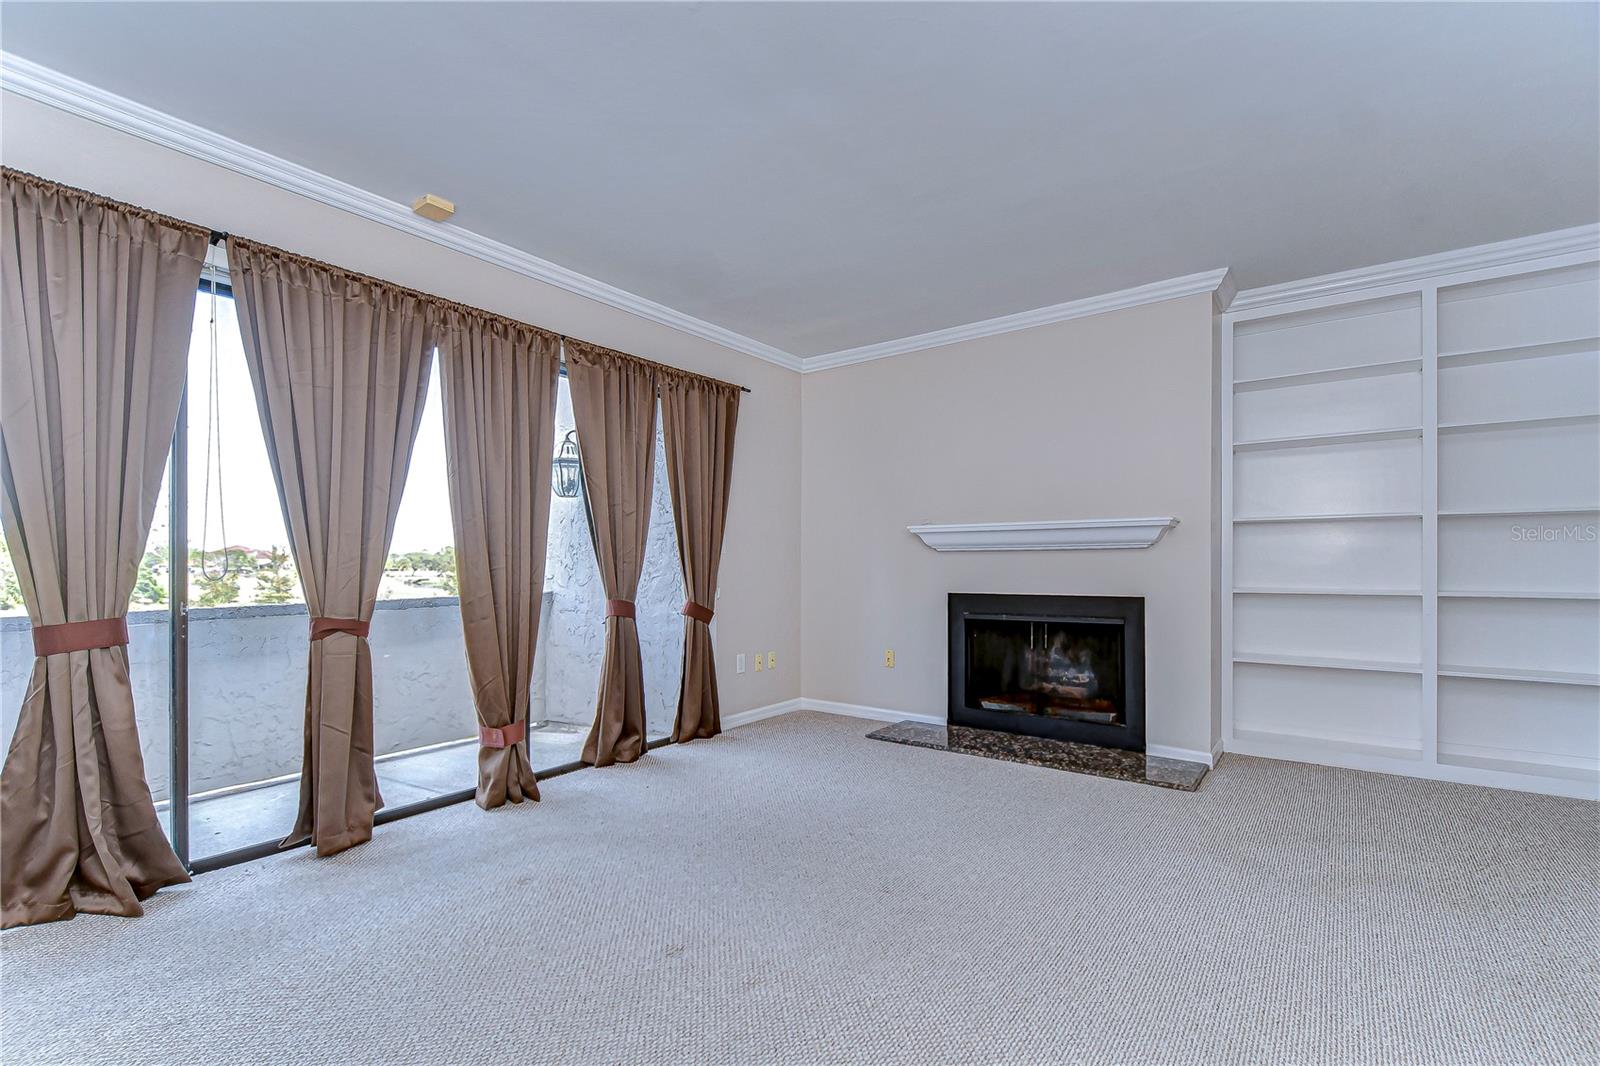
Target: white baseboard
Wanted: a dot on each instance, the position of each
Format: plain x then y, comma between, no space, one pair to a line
876,714
756,714
1163,751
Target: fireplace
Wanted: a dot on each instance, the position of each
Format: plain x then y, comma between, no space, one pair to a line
1065,667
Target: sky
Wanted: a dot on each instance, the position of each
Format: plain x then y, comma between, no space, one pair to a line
248,498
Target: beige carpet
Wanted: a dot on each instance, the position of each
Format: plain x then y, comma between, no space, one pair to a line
793,892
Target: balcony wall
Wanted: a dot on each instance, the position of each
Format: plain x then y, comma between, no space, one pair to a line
247,675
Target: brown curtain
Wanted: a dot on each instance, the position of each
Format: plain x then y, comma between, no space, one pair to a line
98,303
499,412
340,364
614,406
698,419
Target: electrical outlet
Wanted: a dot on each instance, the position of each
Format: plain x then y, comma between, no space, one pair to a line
888,658
758,662
772,660
738,664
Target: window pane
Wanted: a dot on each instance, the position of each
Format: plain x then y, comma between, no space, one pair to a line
566,667
424,724
149,656
660,604
247,617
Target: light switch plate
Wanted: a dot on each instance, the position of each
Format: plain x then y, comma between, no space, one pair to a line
738,664
758,662
888,658
772,660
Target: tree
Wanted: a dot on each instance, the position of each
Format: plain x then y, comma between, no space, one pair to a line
220,591
214,577
150,587
275,578
10,590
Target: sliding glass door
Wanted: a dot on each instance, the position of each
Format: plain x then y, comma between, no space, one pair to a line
244,624
219,627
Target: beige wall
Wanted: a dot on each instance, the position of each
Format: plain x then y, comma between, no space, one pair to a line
1105,416
760,577
1101,417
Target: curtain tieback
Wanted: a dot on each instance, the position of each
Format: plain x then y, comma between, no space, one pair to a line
80,636
502,736
619,608
327,627
698,612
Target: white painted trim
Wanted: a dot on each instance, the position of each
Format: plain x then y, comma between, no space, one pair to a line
1409,271
1535,254
66,93
1294,750
756,714
1045,536
875,714
1162,751
1216,282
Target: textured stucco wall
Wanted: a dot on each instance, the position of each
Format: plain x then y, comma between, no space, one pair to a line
572,638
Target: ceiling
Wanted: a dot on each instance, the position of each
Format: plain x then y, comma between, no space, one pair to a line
825,176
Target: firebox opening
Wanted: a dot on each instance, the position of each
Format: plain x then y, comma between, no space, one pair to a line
1066,669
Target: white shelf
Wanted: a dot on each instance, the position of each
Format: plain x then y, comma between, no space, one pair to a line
1543,677
1530,764
1272,738
1517,423
1286,590
1503,594
1072,534
1465,357
1343,373
1315,662
1334,517
1315,439
1521,513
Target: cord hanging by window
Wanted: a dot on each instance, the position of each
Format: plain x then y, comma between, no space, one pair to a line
214,453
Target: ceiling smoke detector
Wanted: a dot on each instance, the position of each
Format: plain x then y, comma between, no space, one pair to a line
434,208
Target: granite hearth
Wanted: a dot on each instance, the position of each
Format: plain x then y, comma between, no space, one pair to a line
1055,754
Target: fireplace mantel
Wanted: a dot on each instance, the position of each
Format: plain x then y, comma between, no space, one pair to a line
1045,536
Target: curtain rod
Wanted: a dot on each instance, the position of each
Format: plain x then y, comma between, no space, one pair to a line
220,237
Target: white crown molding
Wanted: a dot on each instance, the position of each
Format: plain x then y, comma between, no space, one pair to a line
1045,536
66,93
1215,282
1500,253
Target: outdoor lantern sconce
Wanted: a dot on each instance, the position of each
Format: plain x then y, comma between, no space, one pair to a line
568,467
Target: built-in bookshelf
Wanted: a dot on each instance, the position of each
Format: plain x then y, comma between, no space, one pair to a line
1411,497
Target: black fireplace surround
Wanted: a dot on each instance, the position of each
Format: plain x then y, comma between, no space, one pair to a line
1065,667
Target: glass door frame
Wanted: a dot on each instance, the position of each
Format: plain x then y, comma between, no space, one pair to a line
178,658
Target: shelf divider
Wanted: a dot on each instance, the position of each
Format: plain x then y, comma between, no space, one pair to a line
1285,590
1490,425
1469,356
1317,662
1510,673
1334,517
1316,377
1319,439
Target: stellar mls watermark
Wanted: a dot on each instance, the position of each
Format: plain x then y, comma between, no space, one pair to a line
1581,532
